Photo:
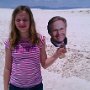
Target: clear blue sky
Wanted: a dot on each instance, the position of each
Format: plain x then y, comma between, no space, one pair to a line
46,3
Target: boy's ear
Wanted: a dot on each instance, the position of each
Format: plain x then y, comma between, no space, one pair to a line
48,30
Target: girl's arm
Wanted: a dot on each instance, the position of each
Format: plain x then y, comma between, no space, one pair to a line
46,62
7,68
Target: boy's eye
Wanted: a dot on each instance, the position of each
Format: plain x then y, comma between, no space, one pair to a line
61,28
55,30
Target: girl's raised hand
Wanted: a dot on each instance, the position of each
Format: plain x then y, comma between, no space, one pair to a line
60,52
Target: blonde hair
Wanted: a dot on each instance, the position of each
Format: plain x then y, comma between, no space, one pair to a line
14,34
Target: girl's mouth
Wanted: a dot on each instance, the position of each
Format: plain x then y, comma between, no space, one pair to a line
22,26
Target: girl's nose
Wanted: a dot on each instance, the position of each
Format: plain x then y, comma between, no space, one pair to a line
21,22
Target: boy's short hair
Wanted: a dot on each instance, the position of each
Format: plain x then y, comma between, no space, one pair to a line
52,20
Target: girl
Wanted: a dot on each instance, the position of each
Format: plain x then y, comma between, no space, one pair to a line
24,52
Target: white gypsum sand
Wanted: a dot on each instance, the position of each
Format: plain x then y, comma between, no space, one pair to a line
71,72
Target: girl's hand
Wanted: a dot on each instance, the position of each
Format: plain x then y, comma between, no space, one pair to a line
60,51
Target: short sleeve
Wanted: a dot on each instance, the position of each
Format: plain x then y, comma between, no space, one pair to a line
7,44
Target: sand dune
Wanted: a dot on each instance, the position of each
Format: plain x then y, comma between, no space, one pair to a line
71,72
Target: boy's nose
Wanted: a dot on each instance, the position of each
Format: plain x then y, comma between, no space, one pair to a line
59,31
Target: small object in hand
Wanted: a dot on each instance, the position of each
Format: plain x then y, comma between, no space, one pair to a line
63,54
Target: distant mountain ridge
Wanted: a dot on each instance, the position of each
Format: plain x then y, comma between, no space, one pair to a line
46,4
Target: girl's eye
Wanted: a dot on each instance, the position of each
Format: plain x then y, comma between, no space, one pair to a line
25,20
18,20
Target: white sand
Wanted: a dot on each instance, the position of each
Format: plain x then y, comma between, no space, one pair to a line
71,72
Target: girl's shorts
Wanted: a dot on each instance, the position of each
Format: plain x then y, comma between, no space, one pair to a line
37,87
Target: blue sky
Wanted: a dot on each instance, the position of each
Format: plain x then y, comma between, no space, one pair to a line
49,4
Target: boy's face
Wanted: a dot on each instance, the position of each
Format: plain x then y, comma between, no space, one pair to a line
58,31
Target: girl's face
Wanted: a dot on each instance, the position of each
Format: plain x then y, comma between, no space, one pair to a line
58,31
22,22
